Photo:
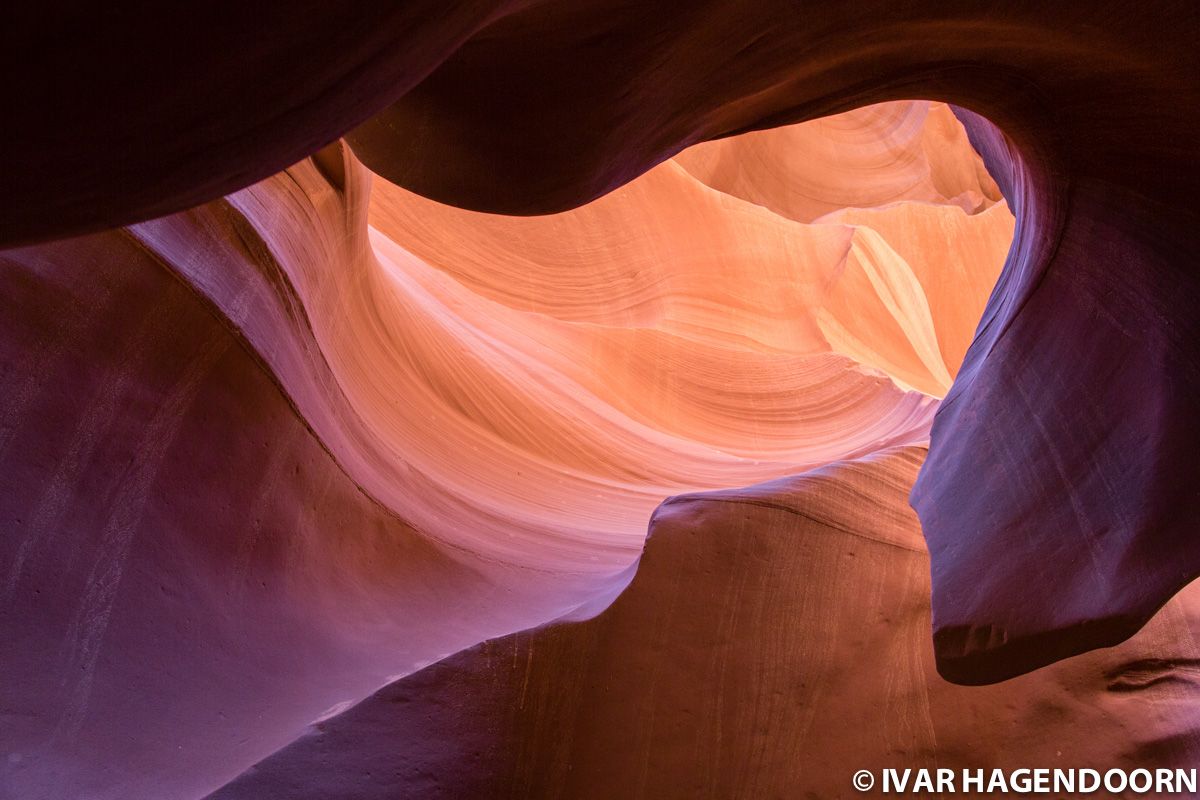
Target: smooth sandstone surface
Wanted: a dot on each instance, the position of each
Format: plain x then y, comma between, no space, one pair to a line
352,431
773,642
187,574
1075,404
869,157
161,380
1064,448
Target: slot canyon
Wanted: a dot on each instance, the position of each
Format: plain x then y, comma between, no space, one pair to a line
528,399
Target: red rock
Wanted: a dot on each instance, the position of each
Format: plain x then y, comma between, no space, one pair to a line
148,421
773,642
324,455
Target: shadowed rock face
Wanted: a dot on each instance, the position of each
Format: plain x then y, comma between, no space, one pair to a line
773,642
134,110
1060,450
534,107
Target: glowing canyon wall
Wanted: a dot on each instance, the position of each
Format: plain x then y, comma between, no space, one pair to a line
388,429
335,345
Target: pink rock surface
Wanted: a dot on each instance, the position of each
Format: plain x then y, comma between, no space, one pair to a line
773,642
188,576
1064,450
353,431
144,417
525,107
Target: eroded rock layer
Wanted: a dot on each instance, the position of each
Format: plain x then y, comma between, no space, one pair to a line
773,642
351,431
188,576
1064,449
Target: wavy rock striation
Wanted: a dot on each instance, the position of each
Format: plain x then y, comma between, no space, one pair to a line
1063,450
350,431
773,642
188,575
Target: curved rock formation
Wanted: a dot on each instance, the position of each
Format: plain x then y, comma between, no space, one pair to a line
1079,530
1056,499
528,107
869,157
188,576
1081,555
532,344
355,431
773,642
132,111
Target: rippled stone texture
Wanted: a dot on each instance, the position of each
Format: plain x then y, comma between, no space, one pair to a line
187,575
525,107
1057,499
354,431
773,642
